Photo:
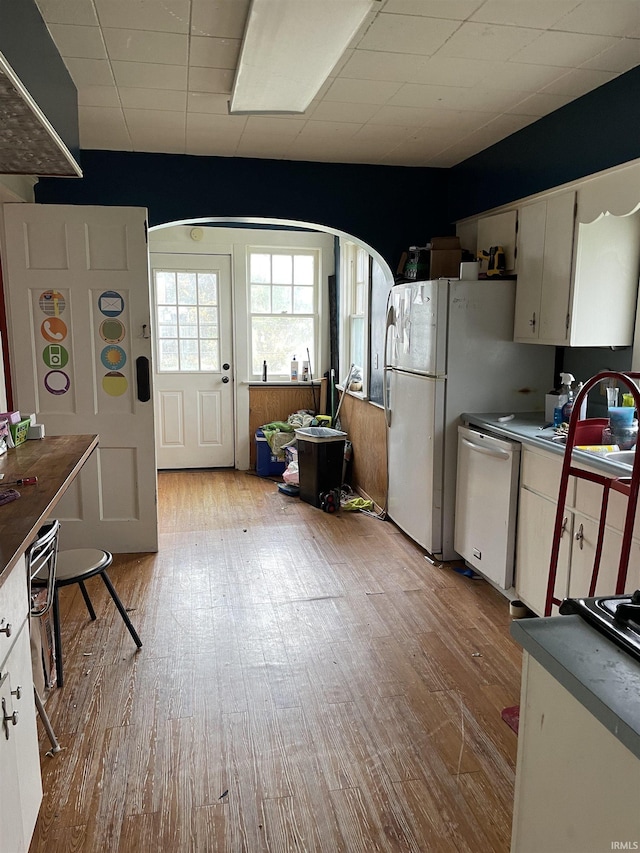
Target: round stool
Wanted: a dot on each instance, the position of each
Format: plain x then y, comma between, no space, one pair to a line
77,566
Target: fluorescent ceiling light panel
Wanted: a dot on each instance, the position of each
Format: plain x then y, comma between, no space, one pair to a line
289,49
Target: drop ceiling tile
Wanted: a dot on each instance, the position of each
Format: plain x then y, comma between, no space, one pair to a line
207,146
456,98
210,123
384,65
98,96
327,129
220,18
458,10
620,57
361,91
156,130
213,52
103,127
78,41
206,102
168,16
269,147
138,46
540,104
273,125
578,82
488,41
216,80
603,17
400,116
539,14
521,76
408,34
148,75
153,99
455,71
90,72
385,132
68,12
462,121
566,50
343,111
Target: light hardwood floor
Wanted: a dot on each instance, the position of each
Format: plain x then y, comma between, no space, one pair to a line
308,682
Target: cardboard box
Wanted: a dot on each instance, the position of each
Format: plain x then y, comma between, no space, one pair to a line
445,263
445,257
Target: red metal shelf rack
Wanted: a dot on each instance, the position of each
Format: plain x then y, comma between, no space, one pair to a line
628,486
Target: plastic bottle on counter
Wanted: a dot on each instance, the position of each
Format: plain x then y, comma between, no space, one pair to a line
264,371
294,369
568,388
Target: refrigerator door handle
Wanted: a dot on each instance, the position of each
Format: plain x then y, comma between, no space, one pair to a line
391,321
488,451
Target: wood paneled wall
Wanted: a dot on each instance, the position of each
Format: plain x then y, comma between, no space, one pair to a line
366,430
276,402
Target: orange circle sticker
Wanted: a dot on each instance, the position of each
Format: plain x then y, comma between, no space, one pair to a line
53,329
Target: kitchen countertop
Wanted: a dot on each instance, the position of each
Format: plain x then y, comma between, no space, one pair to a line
525,427
55,461
602,677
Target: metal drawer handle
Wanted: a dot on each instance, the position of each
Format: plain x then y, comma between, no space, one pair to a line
496,452
7,628
580,536
8,718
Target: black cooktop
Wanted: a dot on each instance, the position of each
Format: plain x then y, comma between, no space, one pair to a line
615,616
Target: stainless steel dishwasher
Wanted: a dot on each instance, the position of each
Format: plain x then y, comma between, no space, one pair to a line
486,504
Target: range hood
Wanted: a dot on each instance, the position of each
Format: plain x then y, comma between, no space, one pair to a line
29,144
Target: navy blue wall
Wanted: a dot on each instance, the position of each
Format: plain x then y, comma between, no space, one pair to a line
30,51
388,207
595,132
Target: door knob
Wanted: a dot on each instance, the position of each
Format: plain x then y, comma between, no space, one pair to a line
226,366
225,379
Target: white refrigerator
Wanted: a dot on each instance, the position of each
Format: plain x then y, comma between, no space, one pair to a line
449,349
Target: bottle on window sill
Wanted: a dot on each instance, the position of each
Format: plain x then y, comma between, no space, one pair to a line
264,371
294,369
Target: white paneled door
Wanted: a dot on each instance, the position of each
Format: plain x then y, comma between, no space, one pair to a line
193,348
77,282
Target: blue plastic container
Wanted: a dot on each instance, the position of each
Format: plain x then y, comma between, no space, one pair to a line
267,464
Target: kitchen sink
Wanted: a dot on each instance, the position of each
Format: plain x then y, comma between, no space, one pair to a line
624,457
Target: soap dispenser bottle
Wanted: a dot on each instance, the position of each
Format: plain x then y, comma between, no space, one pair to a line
568,388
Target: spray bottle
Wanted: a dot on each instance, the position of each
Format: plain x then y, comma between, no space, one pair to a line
567,387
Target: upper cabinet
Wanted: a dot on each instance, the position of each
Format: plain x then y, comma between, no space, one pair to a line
545,247
577,280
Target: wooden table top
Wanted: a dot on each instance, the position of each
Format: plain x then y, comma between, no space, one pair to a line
55,461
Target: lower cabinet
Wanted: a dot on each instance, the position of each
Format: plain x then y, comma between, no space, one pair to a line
539,485
20,780
564,801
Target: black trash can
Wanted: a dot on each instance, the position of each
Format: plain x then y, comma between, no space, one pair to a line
320,461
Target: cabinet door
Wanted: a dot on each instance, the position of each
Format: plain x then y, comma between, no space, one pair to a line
536,520
530,264
10,820
556,279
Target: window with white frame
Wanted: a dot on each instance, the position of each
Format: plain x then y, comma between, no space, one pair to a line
355,300
283,309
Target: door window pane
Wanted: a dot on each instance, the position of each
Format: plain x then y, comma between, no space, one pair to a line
187,320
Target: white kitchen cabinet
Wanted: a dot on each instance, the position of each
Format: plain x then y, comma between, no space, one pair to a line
577,281
539,486
545,249
564,801
20,780
498,230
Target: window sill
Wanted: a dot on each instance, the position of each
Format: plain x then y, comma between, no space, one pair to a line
359,395
285,383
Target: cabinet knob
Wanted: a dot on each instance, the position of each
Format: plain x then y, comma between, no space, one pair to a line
532,321
17,692
564,526
5,629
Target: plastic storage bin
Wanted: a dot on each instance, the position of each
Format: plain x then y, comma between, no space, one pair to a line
267,464
320,461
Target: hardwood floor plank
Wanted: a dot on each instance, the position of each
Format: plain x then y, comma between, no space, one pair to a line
307,682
